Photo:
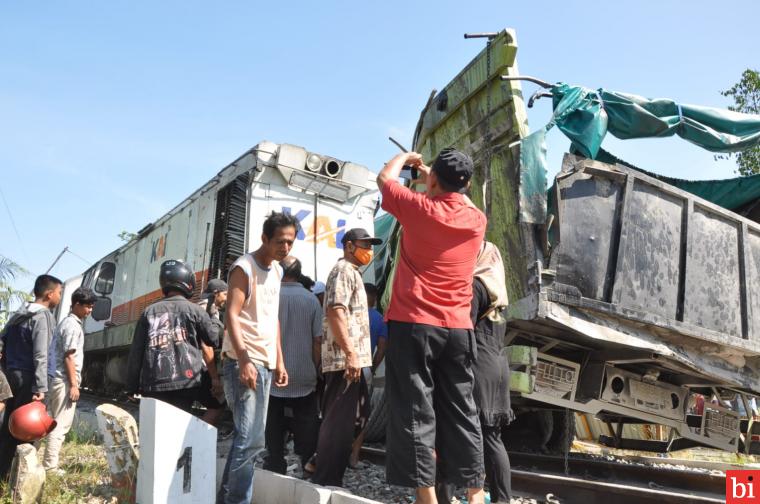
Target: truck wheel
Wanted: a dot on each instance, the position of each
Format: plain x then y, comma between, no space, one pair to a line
542,431
378,419
563,432
529,432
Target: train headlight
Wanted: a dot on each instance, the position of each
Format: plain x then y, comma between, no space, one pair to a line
313,163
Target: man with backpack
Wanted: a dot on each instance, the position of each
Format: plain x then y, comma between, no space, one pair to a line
24,346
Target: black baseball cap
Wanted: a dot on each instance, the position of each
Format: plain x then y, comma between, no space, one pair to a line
356,234
216,285
454,167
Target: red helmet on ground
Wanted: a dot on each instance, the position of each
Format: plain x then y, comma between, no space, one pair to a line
31,422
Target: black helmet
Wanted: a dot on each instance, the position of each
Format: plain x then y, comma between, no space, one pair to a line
176,275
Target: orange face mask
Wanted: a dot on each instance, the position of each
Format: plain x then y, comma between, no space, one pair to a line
364,256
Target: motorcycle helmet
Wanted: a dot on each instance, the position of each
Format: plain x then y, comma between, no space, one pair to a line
176,275
31,422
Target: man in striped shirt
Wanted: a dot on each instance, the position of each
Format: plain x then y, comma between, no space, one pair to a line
293,408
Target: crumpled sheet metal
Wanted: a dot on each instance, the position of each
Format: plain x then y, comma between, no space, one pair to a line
705,359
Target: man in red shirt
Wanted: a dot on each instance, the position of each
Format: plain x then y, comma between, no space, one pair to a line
429,378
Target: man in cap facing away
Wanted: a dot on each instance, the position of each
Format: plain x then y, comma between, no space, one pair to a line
429,378
346,355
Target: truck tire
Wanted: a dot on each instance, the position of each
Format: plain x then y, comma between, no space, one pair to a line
543,431
378,419
529,432
563,432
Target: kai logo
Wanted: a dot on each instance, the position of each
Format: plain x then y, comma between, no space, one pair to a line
158,247
320,230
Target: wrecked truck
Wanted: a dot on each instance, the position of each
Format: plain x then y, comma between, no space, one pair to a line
632,297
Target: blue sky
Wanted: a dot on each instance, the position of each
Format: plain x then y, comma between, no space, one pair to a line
112,112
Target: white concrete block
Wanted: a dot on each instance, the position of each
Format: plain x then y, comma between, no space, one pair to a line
339,497
273,488
177,456
120,439
27,476
309,493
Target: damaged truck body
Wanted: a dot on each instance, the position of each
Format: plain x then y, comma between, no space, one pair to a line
630,299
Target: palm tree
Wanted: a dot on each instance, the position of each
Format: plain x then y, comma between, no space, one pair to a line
10,296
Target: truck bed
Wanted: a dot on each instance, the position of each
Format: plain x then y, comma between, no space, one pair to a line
631,246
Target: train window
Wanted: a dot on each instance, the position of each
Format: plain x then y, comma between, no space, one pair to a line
106,275
88,276
102,309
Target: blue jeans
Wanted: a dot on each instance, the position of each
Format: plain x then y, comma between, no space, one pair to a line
249,414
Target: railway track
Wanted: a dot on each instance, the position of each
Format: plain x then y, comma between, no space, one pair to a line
588,480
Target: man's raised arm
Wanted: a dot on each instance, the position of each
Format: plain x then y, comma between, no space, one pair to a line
392,168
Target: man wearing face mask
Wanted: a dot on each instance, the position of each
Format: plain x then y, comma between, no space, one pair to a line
346,358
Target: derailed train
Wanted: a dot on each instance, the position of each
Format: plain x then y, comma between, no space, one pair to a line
633,300
213,227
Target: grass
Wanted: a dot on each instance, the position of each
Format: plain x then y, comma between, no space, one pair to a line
87,478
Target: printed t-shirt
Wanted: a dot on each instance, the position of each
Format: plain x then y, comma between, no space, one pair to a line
345,287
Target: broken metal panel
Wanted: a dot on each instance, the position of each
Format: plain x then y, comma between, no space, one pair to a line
728,367
588,204
637,248
713,298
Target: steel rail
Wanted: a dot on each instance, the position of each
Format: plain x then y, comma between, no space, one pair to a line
536,475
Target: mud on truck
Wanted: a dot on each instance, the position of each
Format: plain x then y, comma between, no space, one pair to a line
633,298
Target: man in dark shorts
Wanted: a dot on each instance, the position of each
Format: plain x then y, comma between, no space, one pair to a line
431,347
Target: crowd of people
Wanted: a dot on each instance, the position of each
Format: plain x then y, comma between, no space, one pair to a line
291,357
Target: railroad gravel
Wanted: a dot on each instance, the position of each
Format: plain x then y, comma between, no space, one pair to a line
368,480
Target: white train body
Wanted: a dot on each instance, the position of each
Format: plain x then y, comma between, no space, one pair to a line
217,224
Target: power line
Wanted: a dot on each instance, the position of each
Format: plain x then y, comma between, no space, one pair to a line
79,257
13,223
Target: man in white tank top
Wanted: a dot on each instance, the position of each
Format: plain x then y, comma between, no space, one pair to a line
252,351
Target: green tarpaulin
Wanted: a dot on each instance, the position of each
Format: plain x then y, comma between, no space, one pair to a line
586,115
732,194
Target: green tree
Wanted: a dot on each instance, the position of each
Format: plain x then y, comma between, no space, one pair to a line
746,96
10,297
126,236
